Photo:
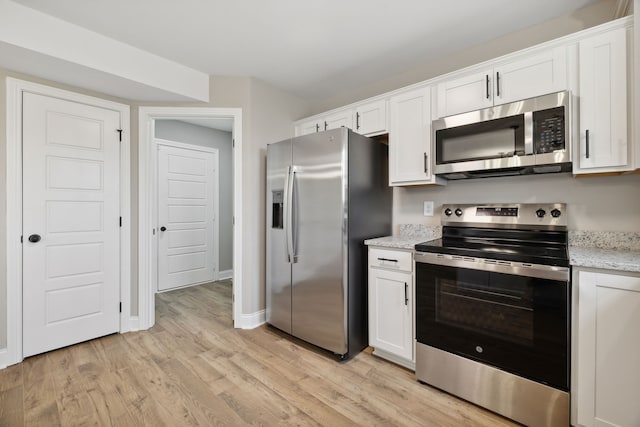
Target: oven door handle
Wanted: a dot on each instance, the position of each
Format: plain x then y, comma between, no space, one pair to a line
538,271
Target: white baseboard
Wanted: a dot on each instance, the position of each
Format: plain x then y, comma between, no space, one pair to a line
4,355
225,274
134,324
250,321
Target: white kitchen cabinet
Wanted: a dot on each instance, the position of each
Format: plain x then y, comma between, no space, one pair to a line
341,118
468,93
530,75
391,305
606,386
371,118
410,159
604,134
310,126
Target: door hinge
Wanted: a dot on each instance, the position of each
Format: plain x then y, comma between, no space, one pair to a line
120,221
233,220
120,307
233,297
21,239
233,143
120,134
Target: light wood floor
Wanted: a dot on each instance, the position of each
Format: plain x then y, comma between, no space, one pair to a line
193,368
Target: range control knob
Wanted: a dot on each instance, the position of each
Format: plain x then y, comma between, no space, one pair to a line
448,212
540,213
555,213
458,212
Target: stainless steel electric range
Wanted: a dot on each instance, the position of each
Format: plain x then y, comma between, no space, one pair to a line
493,309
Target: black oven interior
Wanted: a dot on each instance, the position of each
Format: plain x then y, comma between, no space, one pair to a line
515,323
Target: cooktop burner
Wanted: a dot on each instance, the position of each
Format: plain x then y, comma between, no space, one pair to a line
527,233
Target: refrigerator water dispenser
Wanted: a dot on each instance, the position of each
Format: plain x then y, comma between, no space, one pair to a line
277,209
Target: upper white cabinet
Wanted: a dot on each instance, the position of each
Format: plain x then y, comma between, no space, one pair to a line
309,126
604,134
468,93
530,75
342,118
410,138
371,118
606,387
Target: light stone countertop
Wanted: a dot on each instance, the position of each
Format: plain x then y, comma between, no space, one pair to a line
608,259
410,235
609,250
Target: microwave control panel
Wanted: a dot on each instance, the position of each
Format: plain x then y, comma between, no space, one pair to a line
548,130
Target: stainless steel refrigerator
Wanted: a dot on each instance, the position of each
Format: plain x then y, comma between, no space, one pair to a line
326,193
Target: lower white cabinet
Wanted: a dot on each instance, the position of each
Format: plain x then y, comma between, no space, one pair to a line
391,305
606,380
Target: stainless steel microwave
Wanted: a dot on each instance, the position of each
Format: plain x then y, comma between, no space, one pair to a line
519,138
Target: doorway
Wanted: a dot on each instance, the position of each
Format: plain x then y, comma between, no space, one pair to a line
195,202
149,227
68,198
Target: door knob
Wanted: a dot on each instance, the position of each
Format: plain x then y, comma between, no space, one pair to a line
163,228
34,238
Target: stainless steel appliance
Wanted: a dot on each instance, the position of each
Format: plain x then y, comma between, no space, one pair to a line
326,193
493,310
524,137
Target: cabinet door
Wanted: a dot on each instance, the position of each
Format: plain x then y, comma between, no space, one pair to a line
371,118
468,93
410,138
608,350
305,128
603,102
533,75
390,312
340,119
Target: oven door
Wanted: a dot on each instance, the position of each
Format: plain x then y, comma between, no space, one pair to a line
515,323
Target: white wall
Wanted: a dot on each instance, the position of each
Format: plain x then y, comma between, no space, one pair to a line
188,133
272,116
609,203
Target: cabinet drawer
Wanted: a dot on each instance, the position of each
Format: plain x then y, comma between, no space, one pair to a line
390,259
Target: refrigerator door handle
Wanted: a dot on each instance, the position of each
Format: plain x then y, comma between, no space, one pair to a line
291,225
287,214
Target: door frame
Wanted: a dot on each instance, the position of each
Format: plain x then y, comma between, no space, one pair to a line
216,199
147,200
13,163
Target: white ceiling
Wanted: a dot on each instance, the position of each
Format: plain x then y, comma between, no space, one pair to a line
314,49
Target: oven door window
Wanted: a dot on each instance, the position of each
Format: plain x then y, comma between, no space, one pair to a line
515,323
479,141
496,307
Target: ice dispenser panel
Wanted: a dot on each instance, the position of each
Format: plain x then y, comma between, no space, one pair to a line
277,198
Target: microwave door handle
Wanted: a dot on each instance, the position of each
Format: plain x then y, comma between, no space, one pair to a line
528,133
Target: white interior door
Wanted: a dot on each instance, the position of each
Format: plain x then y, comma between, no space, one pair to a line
71,286
186,217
